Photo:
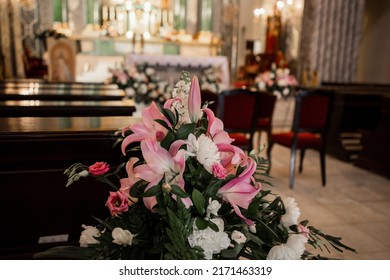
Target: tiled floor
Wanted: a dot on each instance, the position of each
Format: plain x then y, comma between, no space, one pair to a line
355,204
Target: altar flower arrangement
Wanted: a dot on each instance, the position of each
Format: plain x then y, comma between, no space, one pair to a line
141,83
190,193
278,81
210,80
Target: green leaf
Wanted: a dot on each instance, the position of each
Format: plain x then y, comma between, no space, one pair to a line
232,253
153,191
255,239
185,130
213,226
169,115
66,252
103,223
199,201
168,140
179,191
253,207
201,224
137,189
163,123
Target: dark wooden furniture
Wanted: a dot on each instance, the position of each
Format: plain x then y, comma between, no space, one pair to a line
376,149
39,90
34,108
34,154
309,129
359,129
210,97
236,108
357,111
264,111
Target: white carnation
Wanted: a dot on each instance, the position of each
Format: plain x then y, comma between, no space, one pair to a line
292,213
205,151
292,250
210,241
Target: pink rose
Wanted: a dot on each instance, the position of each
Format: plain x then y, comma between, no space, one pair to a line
219,171
117,203
99,168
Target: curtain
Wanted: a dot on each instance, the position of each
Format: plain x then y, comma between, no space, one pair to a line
330,39
11,40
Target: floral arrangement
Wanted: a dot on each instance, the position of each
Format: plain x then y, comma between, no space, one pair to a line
210,80
278,81
190,194
141,83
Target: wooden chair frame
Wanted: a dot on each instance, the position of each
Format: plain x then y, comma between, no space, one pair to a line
297,129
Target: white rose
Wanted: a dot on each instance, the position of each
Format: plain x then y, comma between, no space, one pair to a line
261,85
213,207
238,236
130,92
122,237
282,83
87,236
286,91
149,71
143,89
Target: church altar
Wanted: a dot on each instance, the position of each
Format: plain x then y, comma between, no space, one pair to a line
170,66
91,68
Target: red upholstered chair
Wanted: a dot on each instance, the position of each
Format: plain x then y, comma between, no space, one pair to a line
210,96
309,129
236,108
265,105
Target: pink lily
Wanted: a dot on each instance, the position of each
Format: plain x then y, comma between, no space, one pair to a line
161,163
194,101
149,127
215,128
128,183
240,191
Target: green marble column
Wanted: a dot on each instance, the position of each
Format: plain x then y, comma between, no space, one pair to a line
57,10
205,15
180,14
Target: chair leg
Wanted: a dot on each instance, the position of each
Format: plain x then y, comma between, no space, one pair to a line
258,138
270,144
292,167
323,171
301,160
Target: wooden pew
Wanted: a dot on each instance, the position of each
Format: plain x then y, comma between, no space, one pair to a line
35,108
20,90
34,154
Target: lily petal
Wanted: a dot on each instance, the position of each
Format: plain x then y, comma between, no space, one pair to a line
194,101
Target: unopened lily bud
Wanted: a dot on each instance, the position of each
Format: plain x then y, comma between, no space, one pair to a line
166,188
252,228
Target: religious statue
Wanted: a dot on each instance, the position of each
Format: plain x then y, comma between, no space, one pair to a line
274,32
